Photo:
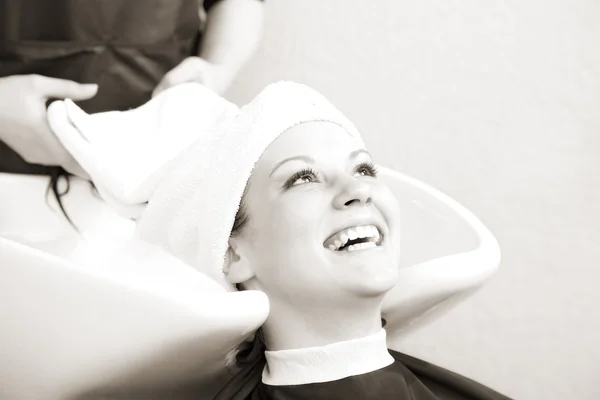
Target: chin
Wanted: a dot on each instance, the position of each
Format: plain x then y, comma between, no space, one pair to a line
380,287
375,284
369,272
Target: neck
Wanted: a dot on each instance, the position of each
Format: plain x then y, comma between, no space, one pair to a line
292,328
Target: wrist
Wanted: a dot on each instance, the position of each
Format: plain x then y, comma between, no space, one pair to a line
221,76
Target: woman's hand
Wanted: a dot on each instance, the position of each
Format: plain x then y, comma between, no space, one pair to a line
195,69
23,124
233,31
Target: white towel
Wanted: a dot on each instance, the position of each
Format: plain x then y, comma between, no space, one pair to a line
194,191
126,152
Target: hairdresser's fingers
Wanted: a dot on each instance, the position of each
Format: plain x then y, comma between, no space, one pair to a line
62,88
192,69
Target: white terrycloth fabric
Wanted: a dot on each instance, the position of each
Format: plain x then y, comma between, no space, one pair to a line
192,212
193,195
327,363
126,152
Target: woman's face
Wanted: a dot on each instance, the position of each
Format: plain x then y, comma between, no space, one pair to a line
313,193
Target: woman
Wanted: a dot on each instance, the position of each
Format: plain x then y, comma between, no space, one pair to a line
282,197
319,235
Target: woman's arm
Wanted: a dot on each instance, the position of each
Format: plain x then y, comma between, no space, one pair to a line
233,31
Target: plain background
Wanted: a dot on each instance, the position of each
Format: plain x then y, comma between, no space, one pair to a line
496,103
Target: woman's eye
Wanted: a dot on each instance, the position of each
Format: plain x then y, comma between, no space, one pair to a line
305,179
367,169
301,177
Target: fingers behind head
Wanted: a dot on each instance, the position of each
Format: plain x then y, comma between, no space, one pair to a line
192,69
64,89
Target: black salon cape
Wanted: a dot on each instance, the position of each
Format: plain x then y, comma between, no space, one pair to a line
408,378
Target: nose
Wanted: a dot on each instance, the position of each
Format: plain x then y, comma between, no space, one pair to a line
354,193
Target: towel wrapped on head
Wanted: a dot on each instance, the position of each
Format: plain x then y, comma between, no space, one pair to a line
189,153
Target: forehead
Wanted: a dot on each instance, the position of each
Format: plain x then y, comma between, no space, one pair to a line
313,139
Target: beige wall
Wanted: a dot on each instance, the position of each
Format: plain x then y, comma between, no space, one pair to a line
496,103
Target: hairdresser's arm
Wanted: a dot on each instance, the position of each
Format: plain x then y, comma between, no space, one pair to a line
233,31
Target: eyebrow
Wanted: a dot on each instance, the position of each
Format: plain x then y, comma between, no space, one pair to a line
310,160
295,158
355,153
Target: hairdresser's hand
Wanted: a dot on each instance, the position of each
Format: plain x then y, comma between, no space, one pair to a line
23,124
195,69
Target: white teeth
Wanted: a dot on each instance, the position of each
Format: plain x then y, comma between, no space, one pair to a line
352,234
361,232
373,231
361,246
342,238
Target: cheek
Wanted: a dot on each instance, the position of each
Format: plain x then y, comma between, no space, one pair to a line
290,227
285,250
390,208
294,222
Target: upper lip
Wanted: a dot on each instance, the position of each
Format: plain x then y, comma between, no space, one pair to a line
354,223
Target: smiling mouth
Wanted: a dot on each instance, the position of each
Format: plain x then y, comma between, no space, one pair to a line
355,238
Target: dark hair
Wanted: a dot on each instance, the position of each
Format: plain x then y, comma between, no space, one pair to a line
57,174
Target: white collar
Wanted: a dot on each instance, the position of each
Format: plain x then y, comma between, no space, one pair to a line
327,363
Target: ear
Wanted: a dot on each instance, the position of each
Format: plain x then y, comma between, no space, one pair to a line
238,268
